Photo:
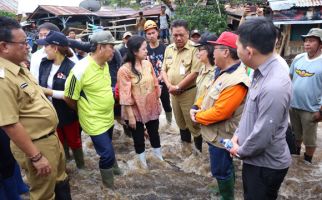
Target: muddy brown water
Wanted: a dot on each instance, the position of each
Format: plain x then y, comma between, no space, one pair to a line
180,176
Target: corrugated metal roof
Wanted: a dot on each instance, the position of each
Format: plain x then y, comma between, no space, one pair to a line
64,10
287,4
308,3
9,5
149,11
117,12
72,10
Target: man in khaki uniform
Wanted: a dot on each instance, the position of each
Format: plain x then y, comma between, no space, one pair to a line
179,71
29,119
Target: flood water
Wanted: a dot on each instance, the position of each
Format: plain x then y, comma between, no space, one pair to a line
180,176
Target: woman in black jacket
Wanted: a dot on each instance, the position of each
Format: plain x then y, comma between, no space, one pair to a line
53,72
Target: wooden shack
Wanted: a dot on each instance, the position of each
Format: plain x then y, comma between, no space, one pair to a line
117,20
295,18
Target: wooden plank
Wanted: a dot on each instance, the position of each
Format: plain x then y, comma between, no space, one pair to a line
122,20
120,26
287,51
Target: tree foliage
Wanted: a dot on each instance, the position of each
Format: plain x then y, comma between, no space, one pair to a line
235,2
203,18
120,3
7,14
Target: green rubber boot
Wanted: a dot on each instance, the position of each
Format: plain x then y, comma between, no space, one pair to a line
79,158
226,188
116,169
108,177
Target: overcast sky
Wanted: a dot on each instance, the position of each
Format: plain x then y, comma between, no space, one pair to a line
25,6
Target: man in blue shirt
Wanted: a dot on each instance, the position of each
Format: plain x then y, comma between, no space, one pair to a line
306,75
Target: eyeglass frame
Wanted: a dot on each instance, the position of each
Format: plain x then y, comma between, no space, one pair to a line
220,48
25,43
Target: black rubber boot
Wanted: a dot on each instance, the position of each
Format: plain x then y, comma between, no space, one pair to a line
198,142
308,158
66,150
79,158
185,135
127,131
62,190
298,151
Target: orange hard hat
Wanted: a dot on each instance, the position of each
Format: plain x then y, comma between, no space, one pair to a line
150,24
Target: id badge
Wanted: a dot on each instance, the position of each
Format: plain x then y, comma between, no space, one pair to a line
2,72
182,69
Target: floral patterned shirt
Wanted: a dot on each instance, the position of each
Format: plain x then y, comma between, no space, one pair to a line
142,96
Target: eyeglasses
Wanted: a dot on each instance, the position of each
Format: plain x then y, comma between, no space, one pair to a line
201,48
219,48
25,43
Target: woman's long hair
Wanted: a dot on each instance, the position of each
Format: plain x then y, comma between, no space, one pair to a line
133,45
65,51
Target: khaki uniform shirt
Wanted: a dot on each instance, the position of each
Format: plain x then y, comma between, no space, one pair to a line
204,79
178,64
22,100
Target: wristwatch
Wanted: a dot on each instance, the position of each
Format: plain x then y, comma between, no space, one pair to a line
177,87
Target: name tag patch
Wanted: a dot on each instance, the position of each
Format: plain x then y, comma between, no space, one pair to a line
22,86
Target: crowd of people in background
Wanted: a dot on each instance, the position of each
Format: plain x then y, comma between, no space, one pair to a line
233,87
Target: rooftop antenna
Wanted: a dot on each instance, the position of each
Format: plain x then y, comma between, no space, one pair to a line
91,5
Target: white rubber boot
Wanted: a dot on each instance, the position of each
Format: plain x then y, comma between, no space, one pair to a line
143,160
157,152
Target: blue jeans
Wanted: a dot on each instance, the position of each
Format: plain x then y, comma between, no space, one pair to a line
104,148
221,164
164,34
141,33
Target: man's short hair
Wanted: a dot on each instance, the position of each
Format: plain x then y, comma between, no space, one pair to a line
233,53
6,26
259,33
49,26
180,23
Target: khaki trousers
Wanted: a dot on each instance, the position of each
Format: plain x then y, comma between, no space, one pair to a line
181,105
304,127
43,187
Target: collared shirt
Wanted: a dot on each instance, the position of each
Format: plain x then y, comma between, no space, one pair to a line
180,63
204,79
22,100
231,69
262,128
90,85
